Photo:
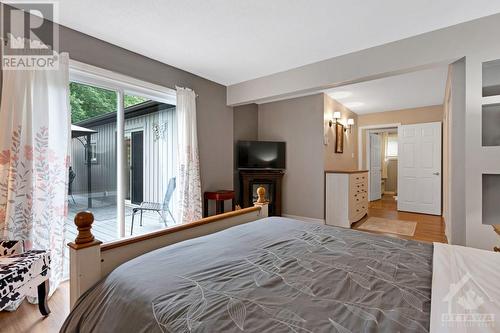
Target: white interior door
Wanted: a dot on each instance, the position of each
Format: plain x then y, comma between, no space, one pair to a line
375,167
419,168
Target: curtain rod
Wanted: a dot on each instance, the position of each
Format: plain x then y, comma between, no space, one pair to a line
187,88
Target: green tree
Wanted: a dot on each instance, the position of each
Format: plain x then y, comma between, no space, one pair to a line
89,102
130,100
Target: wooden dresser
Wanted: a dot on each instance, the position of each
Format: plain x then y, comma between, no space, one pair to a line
346,197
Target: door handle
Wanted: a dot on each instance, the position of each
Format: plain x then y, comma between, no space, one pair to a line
435,173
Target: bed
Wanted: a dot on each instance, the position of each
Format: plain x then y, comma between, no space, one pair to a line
283,275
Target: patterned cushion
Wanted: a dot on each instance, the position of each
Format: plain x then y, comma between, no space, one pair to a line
18,270
8,248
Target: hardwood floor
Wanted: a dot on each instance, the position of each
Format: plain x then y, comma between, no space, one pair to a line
430,228
27,318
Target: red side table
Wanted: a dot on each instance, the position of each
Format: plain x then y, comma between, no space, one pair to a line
219,197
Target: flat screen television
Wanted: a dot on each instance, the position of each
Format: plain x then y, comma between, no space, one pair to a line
261,155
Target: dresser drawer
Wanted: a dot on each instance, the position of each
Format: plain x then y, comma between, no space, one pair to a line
359,207
358,211
359,197
359,178
361,187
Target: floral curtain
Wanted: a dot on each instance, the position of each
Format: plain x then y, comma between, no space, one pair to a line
188,172
34,143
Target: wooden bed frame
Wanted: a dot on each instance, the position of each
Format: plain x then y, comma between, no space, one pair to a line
90,260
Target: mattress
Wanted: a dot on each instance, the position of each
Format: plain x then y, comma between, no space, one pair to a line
271,275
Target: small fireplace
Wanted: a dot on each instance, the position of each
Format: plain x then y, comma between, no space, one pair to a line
268,179
269,191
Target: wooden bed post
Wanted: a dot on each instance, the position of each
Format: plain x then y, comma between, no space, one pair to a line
84,257
262,202
496,227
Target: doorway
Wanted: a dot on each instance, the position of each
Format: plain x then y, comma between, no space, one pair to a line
382,163
134,144
404,176
404,165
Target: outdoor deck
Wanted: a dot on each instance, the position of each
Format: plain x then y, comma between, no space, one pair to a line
105,227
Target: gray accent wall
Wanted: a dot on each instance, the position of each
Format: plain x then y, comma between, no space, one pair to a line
298,122
215,119
245,122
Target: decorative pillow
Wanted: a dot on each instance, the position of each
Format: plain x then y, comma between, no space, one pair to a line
8,248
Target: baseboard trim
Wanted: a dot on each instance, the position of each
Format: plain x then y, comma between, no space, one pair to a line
305,219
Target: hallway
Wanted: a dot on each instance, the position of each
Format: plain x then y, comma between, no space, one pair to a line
430,228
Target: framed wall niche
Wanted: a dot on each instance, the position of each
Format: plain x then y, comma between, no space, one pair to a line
491,198
490,114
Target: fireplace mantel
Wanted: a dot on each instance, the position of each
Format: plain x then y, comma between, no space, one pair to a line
271,180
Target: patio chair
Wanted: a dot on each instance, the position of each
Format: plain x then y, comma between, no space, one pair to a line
23,273
156,207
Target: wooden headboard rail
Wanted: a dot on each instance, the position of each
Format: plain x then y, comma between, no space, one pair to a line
90,260
130,240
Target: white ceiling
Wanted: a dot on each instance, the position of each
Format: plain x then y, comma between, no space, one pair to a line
411,90
230,41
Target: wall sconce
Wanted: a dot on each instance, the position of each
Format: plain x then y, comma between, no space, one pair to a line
350,123
336,117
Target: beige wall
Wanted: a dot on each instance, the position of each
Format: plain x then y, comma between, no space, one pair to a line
349,158
298,122
426,114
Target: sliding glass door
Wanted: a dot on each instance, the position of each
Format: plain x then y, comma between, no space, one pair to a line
93,159
123,153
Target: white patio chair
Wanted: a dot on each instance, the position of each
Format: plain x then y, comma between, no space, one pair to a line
156,207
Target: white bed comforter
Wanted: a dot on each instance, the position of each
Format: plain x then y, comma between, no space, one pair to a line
465,290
